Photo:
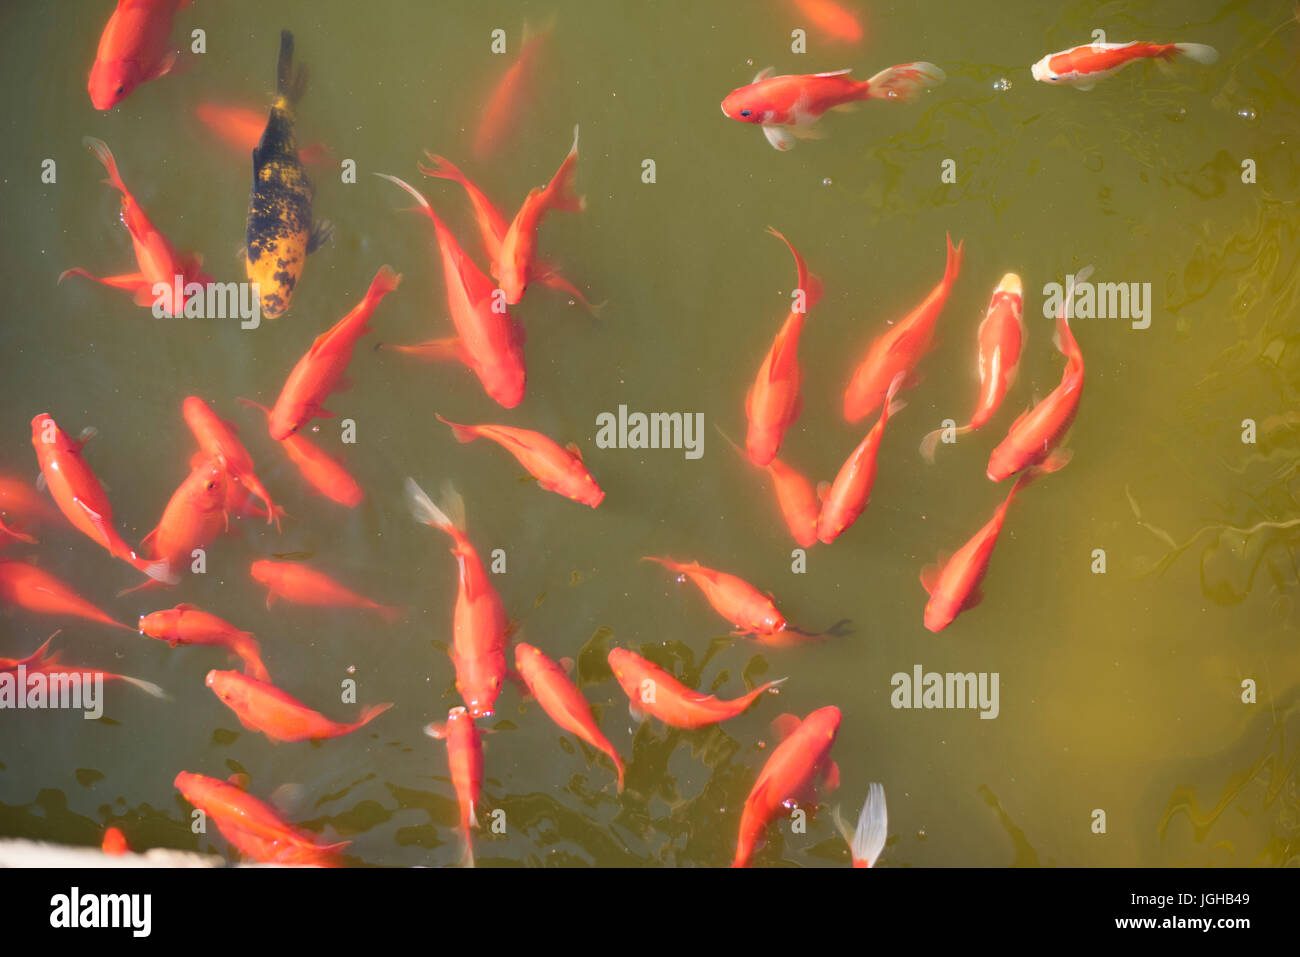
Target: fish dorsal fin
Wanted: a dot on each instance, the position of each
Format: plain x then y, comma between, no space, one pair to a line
572,449
835,72
238,780
764,73
784,726
186,606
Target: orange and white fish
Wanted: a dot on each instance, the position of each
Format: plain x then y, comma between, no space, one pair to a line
953,583
867,841
218,438
320,371
133,49
510,95
480,629
187,624
195,515
900,348
157,260
261,706
1033,438
491,340
773,402
296,583
241,127
653,691
1081,67
791,775
834,21
557,469
79,495
323,472
788,107
1000,337
850,493
751,611
465,758
28,587
562,701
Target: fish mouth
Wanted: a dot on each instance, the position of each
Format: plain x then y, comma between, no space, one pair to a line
1040,71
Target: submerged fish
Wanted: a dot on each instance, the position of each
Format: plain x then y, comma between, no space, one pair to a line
1081,67
133,49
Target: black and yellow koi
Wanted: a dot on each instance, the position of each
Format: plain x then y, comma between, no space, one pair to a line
280,233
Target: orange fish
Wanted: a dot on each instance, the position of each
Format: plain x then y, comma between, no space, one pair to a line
239,500
850,493
218,438
562,701
114,843
834,21
795,496
40,663
195,515
157,260
491,339
33,660
1000,337
751,611
26,586
868,839
188,625
480,629
1033,438
241,127
133,49
295,582
1081,67
556,469
465,757
773,402
653,691
320,371
22,508
790,776
900,348
324,473
510,95
261,706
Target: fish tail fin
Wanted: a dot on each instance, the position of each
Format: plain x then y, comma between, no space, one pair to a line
561,192
892,405
148,687
370,713
462,433
1064,339
873,827
468,859
427,513
391,614
932,439
1198,52
385,281
105,157
953,266
904,82
619,767
442,168
289,83
424,206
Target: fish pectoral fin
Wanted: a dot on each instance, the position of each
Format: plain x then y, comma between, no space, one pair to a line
763,74
846,108
784,725
823,489
572,449
973,599
807,131
320,234
930,577
637,714
1085,85
779,137
166,64
830,777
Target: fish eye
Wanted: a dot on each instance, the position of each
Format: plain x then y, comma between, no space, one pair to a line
211,486
746,112
120,88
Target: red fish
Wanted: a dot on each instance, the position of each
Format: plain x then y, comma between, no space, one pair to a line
40,663
834,21
490,338
510,95
114,843
900,348
218,438
562,701
480,628
133,49
850,493
33,660
787,107
156,258
80,496
324,473
22,508
556,469
1081,67
239,500
195,515
773,402
1000,337
26,586
320,371
296,583
790,776
868,839
1034,437
795,496
751,611
653,691
188,625
465,757
241,127
261,706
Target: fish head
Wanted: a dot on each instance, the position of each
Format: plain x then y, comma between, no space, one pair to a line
111,82
744,105
1043,73
262,571
157,624
938,614
210,484
222,684
824,723
286,419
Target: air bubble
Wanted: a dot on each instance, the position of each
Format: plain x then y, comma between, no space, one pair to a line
1247,114
1001,84
827,181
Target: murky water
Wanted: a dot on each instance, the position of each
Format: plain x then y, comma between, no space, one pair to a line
1120,692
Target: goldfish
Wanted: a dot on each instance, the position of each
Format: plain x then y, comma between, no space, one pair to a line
320,371
509,96
187,624
465,757
556,469
80,496
114,843
1000,336
1081,67
239,500
133,49
294,582
40,663
158,261
751,611
280,233
480,630
241,127
35,659
850,493
491,340
868,839
834,21
241,817
900,348
518,255
218,438
324,473
261,706
795,496
788,107
953,583
195,515
26,586
22,508
773,402
1033,438
653,691
791,774
562,701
